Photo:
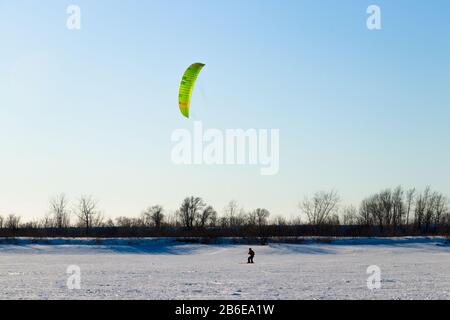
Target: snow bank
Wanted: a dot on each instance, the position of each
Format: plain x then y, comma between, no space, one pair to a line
155,242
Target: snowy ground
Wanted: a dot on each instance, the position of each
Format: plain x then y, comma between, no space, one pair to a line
410,269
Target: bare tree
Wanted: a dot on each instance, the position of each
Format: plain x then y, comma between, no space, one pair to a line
59,210
208,216
33,224
87,212
384,211
12,222
223,222
154,216
279,221
189,211
47,221
296,221
109,223
366,216
441,208
262,216
252,218
231,212
429,212
398,207
172,219
433,208
378,208
420,208
410,195
446,219
334,220
213,218
126,222
319,208
350,216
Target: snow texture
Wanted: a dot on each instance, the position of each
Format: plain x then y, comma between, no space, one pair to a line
411,268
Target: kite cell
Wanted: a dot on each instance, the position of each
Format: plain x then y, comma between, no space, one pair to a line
186,87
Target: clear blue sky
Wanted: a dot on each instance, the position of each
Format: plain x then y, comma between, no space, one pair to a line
92,111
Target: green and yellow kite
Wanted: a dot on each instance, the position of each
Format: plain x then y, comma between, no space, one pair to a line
186,87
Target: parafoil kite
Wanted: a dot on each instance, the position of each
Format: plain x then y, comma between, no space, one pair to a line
186,87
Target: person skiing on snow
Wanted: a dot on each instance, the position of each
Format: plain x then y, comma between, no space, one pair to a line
251,254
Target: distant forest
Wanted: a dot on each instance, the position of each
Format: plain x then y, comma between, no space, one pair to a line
391,212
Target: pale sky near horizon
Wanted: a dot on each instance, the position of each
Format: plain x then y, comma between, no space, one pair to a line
92,111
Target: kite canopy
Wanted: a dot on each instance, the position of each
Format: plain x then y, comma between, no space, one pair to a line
186,87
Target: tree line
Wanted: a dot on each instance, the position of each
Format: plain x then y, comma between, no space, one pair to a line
388,212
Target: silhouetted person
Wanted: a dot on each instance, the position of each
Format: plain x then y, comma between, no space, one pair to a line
251,255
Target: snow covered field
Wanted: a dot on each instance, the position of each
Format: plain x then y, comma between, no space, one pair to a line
151,269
